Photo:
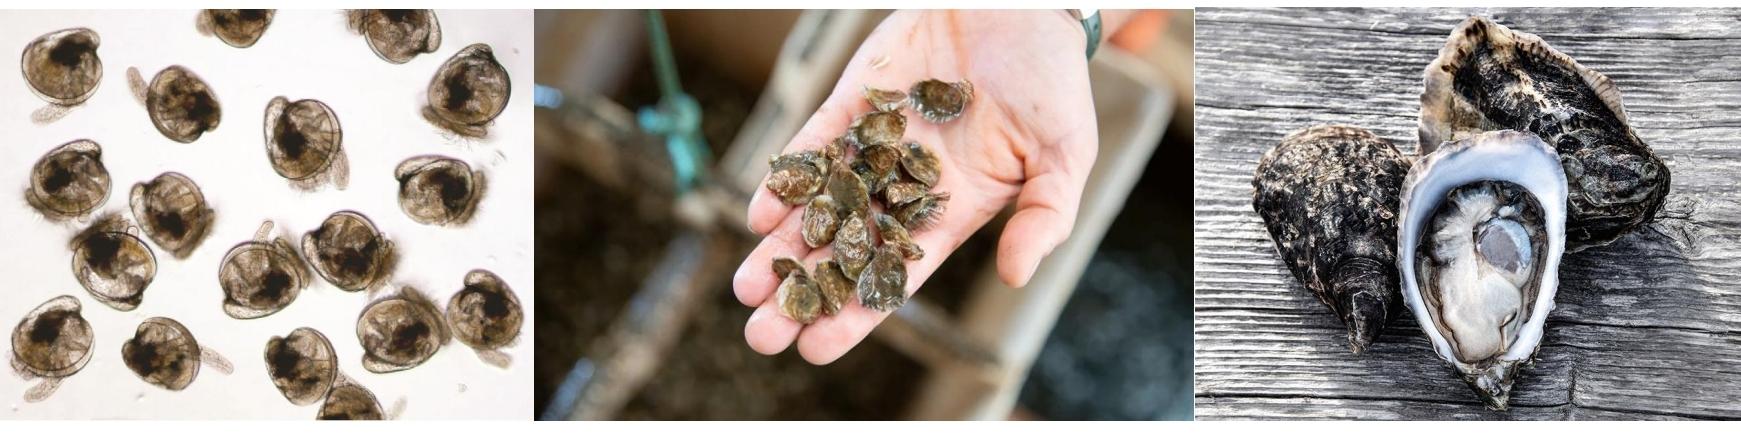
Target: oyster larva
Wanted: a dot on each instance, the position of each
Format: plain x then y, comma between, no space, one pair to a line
486,315
69,181
350,402
182,106
112,263
435,190
349,252
1488,77
1481,232
468,92
172,212
401,331
62,66
261,276
1328,197
397,35
302,365
52,342
239,28
163,353
305,143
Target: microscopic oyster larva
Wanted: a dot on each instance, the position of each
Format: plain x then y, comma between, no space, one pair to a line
239,28
181,105
302,365
469,91
397,35
350,401
53,342
305,143
400,331
1488,77
173,212
1328,198
69,181
113,263
486,315
349,252
261,276
1480,235
63,68
164,353
436,190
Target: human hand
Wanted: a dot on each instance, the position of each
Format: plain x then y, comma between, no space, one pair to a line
1028,136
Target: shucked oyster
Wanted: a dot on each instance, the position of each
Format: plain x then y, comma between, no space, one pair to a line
1481,232
1489,77
1328,196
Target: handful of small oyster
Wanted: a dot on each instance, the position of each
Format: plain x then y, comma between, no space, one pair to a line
870,177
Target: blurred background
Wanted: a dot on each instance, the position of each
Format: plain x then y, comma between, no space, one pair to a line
654,128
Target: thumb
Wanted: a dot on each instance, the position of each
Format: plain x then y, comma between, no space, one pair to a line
1045,215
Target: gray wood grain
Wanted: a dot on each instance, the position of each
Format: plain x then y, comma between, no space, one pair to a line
1646,328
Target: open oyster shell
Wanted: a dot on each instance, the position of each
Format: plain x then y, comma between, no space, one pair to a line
1488,77
1481,231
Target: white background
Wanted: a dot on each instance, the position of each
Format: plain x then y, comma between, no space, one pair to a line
303,54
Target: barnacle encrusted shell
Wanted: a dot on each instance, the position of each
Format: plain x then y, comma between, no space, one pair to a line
1481,232
939,101
1328,198
1488,77
798,176
62,66
883,285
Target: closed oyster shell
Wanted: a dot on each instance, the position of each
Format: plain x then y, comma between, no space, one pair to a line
1480,235
821,221
853,246
939,101
1328,197
1488,77
877,128
797,177
883,286
921,164
895,235
836,289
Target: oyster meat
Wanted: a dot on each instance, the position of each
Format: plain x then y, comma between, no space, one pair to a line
1488,77
1481,230
1328,197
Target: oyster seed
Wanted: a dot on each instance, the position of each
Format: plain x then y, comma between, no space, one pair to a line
796,177
884,284
939,101
903,193
921,164
836,289
799,298
885,100
852,245
821,221
895,235
848,190
923,213
877,128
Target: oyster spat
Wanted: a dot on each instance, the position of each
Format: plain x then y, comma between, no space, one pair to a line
1488,77
1328,197
1481,232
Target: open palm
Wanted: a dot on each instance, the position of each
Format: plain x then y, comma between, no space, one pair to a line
1028,137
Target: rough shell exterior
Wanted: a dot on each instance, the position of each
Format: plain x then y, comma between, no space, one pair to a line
1328,196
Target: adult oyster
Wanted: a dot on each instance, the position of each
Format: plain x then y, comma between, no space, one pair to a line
1488,77
1481,232
1328,196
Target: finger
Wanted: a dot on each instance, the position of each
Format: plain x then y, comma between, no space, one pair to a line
755,279
832,336
1045,214
829,122
768,332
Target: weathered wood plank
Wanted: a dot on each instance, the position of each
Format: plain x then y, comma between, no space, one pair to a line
1647,328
